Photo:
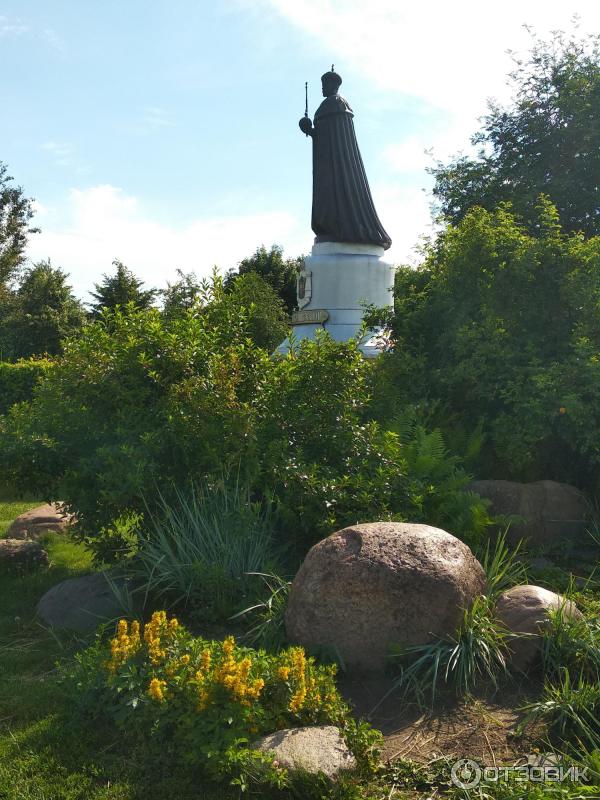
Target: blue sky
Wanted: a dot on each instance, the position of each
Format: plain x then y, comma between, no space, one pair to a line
165,134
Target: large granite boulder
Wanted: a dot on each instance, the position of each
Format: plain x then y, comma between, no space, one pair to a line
524,610
81,604
22,554
551,511
315,750
371,586
32,524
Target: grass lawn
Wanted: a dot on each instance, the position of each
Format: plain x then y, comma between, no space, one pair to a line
10,509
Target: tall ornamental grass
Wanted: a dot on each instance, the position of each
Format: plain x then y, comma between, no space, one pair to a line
201,545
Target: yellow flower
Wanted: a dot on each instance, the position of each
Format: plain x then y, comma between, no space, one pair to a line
205,660
185,659
283,673
156,689
203,697
562,410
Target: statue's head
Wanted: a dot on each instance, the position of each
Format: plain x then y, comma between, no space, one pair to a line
331,82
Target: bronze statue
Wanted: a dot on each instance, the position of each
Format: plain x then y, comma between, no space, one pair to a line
342,208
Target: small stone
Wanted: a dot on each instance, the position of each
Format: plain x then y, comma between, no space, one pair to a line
319,749
43,519
22,554
524,610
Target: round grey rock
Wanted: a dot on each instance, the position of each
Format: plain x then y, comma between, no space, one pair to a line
81,604
368,587
524,610
319,749
549,511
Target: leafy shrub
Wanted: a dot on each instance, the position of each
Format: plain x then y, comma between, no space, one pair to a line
206,699
473,342
327,465
135,401
18,379
142,401
200,548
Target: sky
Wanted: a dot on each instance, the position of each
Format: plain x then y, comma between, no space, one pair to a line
165,134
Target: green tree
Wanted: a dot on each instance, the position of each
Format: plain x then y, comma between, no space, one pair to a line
40,314
184,293
547,141
501,325
16,211
120,289
267,319
278,272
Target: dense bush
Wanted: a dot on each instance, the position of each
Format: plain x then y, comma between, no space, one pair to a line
17,380
501,325
144,401
205,700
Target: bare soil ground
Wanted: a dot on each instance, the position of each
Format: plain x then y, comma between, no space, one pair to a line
482,726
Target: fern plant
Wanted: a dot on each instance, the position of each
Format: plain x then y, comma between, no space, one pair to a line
438,482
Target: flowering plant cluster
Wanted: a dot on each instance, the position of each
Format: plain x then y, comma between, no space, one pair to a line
210,698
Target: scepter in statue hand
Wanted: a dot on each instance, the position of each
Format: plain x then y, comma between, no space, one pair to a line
305,123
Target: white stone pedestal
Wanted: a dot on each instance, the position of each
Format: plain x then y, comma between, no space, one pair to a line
337,281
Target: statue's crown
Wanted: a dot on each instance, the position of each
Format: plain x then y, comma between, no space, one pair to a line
332,75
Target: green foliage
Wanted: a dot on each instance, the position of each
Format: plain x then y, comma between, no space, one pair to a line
206,700
201,546
572,645
473,341
120,290
278,272
16,212
571,709
268,323
39,315
140,399
546,141
438,482
17,380
268,629
478,651
502,566
185,293
145,400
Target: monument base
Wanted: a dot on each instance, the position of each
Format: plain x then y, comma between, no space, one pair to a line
337,282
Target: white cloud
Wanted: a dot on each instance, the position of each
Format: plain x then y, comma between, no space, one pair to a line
60,151
156,117
12,27
104,223
405,214
453,55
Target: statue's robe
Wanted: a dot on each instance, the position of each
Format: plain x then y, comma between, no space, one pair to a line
343,209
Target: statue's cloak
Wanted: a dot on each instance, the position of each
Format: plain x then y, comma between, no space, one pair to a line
343,209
